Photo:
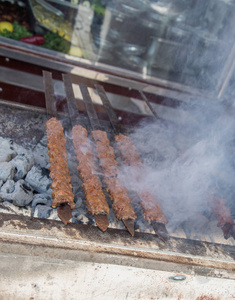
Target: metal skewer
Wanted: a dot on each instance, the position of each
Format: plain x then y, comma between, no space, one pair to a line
149,104
160,230
64,209
95,124
108,107
101,219
159,227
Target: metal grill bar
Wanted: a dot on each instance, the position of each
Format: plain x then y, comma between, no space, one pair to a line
49,94
108,107
149,104
73,110
90,107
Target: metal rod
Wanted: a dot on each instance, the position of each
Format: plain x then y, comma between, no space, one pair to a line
108,107
71,102
130,225
160,230
102,221
49,94
149,105
90,107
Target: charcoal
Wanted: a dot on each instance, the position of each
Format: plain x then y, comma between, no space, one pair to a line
40,155
75,213
7,171
42,211
43,141
22,163
41,199
80,215
21,196
78,201
39,182
8,186
76,183
45,172
20,150
81,219
54,215
7,151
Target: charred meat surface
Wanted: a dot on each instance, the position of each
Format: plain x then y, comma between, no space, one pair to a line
225,221
87,168
151,208
130,156
59,171
118,194
128,151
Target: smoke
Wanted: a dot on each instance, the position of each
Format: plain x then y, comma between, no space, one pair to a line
184,165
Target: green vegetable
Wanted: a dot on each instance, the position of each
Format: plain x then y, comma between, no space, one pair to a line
98,8
56,42
53,41
18,32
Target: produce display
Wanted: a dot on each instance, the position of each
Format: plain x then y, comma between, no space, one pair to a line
53,22
12,12
15,23
13,30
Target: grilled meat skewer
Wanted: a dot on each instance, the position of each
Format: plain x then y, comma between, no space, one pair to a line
225,222
121,200
92,186
63,209
59,172
122,209
151,208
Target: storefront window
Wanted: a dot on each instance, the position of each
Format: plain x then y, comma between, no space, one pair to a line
183,41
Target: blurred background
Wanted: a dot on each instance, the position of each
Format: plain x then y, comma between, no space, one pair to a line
187,42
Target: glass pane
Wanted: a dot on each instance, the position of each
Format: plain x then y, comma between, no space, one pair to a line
183,41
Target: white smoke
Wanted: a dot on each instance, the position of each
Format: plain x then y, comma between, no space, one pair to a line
185,165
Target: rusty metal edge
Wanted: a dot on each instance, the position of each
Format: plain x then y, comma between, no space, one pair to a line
53,234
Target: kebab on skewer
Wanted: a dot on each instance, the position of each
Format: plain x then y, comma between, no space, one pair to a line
63,197
92,186
118,194
121,201
225,221
151,208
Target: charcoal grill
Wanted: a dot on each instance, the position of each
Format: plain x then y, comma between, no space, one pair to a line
182,268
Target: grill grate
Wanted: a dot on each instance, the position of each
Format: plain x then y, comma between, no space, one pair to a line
74,115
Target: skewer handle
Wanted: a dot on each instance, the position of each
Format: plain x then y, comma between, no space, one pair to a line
49,94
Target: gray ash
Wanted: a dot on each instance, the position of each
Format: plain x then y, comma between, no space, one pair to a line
15,123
